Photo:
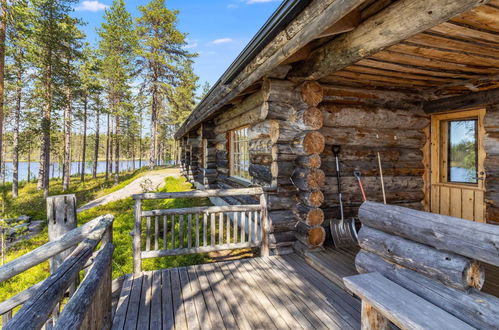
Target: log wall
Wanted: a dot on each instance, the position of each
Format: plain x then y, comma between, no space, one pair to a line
491,164
364,122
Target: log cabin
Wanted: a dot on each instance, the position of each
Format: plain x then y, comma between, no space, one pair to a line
406,88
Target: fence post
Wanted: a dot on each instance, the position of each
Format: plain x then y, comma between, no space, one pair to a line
264,250
137,259
61,215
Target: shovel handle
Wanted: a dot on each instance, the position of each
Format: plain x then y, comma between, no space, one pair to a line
358,177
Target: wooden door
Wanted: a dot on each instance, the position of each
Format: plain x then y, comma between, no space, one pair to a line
457,172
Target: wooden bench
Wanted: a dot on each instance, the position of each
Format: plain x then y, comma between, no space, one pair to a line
420,268
384,301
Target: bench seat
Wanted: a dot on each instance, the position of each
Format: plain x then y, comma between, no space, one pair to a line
384,300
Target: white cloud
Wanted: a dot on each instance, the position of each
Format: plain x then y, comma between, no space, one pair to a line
232,6
91,5
222,41
250,2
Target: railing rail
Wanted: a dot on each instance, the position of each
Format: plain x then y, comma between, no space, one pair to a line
41,302
168,232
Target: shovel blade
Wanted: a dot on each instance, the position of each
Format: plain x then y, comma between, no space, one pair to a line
343,232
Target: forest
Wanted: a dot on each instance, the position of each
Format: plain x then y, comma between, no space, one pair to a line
65,101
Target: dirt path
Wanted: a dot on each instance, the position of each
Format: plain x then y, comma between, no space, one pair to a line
153,181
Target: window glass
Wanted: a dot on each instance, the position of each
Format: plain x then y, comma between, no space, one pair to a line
239,149
462,153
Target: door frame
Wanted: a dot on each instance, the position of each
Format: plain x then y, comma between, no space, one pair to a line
435,154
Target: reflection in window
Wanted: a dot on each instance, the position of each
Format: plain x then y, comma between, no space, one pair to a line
462,157
239,150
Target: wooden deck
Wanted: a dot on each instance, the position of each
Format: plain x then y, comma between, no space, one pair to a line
280,292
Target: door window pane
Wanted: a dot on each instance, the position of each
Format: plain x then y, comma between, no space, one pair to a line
462,154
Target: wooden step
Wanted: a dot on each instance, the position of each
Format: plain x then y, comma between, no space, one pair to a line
334,264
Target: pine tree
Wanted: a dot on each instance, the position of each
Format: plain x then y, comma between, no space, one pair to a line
50,37
3,31
117,46
161,55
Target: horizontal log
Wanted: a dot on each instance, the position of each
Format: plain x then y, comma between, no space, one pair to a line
307,179
369,137
449,268
262,173
79,305
284,91
279,202
471,239
467,101
283,220
93,229
261,130
280,110
18,299
201,193
337,115
35,312
312,237
395,23
282,169
251,102
478,309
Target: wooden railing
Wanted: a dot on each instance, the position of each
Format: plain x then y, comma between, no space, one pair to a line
159,233
89,306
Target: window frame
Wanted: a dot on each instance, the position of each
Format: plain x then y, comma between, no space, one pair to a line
232,139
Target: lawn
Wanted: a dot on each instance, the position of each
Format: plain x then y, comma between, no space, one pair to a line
123,224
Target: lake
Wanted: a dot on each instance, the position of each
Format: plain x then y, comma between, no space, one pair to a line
56,169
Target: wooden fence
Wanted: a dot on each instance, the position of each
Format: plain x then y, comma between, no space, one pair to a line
168,232
88,306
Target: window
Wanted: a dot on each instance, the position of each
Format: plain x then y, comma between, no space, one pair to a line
239,153
462,150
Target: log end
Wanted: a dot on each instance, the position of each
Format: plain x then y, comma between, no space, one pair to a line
314,143
313,118
316,236
312,93
475,275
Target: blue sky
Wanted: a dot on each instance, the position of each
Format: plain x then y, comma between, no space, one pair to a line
217,29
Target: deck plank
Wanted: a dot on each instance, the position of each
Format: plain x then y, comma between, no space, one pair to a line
156,310
212,305
340,303
259,295
178,303
282,295
188,297
225,296
134,303
201,308
167,301
334,319
122,306
145,306
279,292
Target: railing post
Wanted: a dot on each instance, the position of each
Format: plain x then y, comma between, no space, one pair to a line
137,259
61,216
264,250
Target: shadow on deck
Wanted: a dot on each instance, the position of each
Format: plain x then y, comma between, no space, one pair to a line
279,292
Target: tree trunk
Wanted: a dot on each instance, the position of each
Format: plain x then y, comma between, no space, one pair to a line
17,119
108,144
29,163
117,150
44,171
84,146
96,148
3,29
154,109
66,166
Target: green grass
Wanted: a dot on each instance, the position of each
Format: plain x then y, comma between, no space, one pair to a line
123,224
31,202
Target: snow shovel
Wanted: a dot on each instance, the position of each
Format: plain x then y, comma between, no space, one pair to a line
342,230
